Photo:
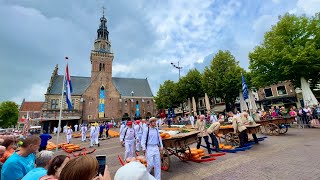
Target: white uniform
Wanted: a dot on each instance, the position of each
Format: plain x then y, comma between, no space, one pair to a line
139,131
159,123
144,126
69,135
192,121
55,130
84,132
122,126
94,131
76,127
128,135
152,150
64,129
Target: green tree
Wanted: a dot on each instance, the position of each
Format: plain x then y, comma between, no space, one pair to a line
223,77
167,95
190,86
289,51
8,114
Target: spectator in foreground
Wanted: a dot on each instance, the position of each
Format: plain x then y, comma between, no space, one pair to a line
84,168
44,140
2,150
133,171
55,167
9,144
21,162
43,160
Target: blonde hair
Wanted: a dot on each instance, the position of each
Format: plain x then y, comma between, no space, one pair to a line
82,167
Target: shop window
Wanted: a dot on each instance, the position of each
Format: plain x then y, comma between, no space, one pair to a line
281,90
268,92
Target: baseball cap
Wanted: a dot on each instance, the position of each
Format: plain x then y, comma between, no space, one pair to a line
133,171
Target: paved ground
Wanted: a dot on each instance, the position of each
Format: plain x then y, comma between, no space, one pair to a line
295,155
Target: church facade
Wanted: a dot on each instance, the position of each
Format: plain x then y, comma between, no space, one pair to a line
100,97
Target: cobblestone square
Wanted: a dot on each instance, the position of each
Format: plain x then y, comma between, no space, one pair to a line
294,155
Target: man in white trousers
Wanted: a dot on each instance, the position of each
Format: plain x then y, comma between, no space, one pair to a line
139,131
151,141
94,133
192,120
69,134
128,137
76,127
83,130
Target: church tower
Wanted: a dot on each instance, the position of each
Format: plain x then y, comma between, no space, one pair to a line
101,56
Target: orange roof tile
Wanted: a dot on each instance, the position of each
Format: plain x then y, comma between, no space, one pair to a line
31,106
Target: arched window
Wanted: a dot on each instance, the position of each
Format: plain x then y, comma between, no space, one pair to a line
103,67
100,67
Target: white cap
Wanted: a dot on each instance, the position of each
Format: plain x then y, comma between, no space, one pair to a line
133,171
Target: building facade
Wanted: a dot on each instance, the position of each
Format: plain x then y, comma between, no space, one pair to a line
99,97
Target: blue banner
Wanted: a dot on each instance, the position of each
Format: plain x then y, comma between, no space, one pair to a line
173,115
137,110
169,114
244,89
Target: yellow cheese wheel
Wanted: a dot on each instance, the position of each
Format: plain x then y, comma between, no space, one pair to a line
221,146
200,150
195,156
194,153
227,147
201,154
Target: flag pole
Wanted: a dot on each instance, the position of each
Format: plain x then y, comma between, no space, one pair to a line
59,124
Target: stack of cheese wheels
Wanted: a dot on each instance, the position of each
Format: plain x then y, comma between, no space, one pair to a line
196,153
76,135
142,159
51,146
113,133
70,147
165,135
228,147
221,146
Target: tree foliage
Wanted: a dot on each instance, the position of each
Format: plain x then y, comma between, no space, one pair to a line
223,77
190,86
291,50
167,95
8,114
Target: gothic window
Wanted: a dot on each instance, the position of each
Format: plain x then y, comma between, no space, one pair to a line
103,67
148,102
100,67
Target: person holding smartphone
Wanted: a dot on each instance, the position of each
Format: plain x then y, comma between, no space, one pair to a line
151,141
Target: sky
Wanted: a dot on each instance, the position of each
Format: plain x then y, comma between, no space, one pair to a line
146,36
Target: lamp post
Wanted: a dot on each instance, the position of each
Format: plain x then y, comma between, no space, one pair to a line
177,67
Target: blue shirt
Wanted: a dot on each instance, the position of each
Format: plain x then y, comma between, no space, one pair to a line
35,173
101,128
44,139
17,166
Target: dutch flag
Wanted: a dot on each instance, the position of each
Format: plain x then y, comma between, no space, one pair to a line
68,88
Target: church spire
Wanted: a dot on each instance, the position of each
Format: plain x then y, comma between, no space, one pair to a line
103,32
102,42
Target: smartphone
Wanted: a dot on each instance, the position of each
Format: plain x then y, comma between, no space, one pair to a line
102,159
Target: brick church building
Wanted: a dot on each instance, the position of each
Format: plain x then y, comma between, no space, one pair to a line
100,97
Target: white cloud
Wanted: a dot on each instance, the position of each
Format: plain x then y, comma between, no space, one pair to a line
34,93
310,7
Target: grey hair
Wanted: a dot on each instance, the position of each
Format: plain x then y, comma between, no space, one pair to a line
43,158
